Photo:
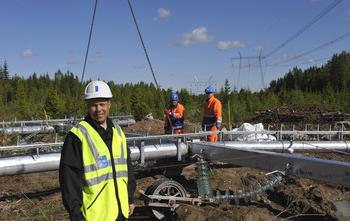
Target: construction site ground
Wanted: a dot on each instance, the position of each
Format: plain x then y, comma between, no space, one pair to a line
38,197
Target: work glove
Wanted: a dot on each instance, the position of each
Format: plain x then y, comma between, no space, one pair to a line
166,111
218,124
131,209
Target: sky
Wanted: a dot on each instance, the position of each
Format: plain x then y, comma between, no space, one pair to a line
190,42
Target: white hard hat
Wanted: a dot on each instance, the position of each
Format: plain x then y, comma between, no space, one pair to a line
97,89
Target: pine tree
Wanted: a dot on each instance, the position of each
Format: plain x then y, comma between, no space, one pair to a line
53,104
5,71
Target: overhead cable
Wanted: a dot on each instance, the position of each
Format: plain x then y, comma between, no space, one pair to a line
342,37
295,35
306,26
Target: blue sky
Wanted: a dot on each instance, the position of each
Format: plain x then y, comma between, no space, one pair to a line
187,40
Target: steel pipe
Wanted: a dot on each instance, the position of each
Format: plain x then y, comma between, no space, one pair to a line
49,161
27,129
47,126
54,121
30,146
157,151
285,145
29,163
15,165
266,145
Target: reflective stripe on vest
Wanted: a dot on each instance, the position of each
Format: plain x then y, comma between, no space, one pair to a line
104,177
99,193
93,149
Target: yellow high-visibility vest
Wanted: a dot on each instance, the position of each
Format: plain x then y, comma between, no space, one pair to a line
99,197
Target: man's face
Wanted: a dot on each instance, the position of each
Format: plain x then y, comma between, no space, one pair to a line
209,95
99,109
174,103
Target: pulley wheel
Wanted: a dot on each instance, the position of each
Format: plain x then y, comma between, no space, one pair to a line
165,187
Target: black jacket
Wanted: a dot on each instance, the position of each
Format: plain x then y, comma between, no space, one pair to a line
71,170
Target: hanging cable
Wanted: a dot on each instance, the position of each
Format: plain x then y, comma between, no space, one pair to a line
88,44
85,61
148,60
145,50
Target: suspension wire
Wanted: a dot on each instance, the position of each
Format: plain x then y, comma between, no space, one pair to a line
298,33
88,44
342,37
85,60
268,65
315,19
145,50
305,27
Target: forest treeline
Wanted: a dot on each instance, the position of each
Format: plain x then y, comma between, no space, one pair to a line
41,96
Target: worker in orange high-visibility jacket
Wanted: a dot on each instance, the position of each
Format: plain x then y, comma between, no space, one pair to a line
174,116
212,118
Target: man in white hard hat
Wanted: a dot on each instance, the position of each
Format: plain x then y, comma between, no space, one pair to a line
96,175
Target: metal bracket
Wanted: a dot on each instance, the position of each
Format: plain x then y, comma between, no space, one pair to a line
142,153
178,149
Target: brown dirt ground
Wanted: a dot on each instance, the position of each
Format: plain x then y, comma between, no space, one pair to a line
37,196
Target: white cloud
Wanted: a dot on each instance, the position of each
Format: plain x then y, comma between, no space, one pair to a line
163,13
198,35
224,45
71,61
99,55
27,53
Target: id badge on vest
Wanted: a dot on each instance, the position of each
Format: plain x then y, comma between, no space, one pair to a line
103,162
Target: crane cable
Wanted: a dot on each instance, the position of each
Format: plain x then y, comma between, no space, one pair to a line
147,57
85,60
89,41
144,47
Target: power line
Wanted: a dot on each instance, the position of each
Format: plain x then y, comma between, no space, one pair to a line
342,37
305,27
282,65
296,34
246,57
